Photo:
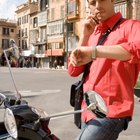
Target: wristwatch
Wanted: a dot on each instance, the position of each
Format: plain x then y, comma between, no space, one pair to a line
93,53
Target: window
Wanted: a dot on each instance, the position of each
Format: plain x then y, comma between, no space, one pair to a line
5,31
43,34
70,27
56,45
55,28
19,21
23,44
121,7
22,20
19,33
43,5
25,47
61,45
35,22
19,43
12,30
73,8
49,45
25,19
25,32
22,32
5,43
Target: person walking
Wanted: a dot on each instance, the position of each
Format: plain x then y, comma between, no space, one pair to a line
114,68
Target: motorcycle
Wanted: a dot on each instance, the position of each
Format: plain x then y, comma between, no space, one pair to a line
24,122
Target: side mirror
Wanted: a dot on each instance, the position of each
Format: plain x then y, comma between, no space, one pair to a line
96,104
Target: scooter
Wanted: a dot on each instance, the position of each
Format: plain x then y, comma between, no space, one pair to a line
24,122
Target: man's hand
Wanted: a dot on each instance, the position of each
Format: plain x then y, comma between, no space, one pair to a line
89,25
81,55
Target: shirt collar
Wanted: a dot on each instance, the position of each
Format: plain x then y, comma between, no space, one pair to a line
108,24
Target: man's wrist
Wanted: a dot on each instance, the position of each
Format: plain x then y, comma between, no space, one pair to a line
93,52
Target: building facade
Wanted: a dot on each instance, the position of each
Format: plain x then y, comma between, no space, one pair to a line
48,30
26,31
55,32
41,43
8,30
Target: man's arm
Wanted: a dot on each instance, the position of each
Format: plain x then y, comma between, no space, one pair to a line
112,52
83,55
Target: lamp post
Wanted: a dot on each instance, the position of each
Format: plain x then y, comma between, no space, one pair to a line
66,33
51,58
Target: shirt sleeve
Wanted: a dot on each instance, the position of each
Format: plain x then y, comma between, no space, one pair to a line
132,33
134,49
75,71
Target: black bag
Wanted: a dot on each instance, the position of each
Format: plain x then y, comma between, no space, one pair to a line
74,89
76,97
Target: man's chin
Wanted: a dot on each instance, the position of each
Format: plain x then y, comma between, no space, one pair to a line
102,19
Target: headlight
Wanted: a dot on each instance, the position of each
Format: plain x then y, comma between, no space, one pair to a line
10,123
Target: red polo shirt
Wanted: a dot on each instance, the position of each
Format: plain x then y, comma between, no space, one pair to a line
114,80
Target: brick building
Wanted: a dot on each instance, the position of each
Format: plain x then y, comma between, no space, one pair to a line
7,32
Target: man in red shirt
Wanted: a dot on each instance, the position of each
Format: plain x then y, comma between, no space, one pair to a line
113,71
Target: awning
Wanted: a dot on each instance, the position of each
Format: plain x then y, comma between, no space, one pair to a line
27,53
54,52
39,55
40,43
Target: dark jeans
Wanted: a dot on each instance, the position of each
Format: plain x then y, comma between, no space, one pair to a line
103,128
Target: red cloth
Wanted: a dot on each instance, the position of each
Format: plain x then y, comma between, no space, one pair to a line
114,80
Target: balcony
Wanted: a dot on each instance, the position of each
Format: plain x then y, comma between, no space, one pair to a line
73,9
54,52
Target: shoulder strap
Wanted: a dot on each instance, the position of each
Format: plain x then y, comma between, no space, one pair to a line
109,31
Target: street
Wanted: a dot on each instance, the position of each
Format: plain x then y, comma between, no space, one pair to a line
48,89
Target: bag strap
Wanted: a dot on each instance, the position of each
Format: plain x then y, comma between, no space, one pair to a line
109,31
87,67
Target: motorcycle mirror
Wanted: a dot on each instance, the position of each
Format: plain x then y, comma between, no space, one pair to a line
96,104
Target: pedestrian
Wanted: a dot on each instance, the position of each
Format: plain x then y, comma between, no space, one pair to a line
55,64
113,71
60,64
